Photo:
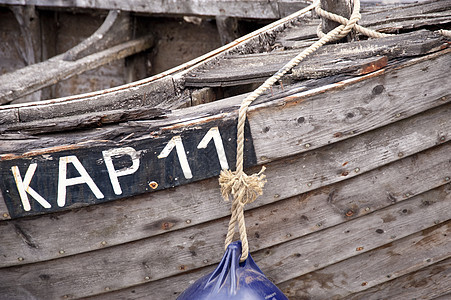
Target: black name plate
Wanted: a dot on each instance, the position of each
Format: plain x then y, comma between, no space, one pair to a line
60,180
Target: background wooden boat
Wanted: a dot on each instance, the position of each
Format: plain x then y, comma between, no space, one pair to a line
358,165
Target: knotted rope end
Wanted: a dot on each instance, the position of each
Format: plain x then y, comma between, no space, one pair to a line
241,186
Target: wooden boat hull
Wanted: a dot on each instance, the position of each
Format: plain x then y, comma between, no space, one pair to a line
356,203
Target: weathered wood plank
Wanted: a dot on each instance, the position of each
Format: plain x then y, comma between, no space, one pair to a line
428,283
170,287
327,207
144,89
390,19
114,30
408,16
29,23
31,78
78,276
260,9
229,71
407,137
362,272
296,124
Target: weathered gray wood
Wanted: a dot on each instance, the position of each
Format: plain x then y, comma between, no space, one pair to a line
24,81
381,266
132,264
391,19
228,29
114,30
428,283
409,136
88,120
229,71
260,9
38,240
408,16
277,127
29,23
132,97
143,89
339,7
171,287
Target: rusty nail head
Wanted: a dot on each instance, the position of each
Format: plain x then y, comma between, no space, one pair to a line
153,184
349,213
364,283
359,249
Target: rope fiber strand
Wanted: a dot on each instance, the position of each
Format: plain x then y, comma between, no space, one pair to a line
245,189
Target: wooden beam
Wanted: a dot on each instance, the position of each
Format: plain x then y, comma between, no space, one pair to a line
93,52
29,79
258,9
339,7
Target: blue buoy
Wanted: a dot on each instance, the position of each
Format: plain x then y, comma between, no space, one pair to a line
233,279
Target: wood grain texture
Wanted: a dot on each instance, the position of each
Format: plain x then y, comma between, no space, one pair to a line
230,71
298,174
431,282
378,274
337,113
31,78
260,9
321,249
188,249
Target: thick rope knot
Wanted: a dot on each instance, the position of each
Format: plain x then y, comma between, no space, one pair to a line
241,187
346,25
244,189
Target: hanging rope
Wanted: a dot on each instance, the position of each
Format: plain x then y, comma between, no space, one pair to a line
245,189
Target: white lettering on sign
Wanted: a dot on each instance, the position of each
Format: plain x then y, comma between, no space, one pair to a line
176,142
214,134
114,174
24,187
64,182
